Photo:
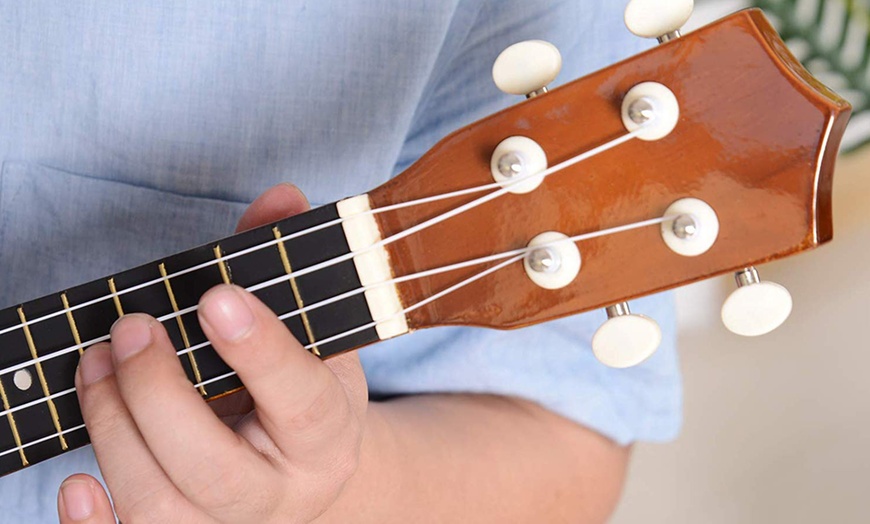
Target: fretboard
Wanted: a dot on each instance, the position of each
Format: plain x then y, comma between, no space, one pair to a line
41,340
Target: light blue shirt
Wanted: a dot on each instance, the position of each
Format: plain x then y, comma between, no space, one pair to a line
131,130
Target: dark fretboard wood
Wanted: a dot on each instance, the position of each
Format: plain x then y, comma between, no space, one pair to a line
43,420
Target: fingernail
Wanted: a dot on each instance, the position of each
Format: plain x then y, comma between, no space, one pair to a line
130,335
95,364
78,499
224,309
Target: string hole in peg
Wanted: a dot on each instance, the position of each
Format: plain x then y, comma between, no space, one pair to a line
661,19
650,110
518,163
553,261
545,260
692,229
527,68
756,307
625,339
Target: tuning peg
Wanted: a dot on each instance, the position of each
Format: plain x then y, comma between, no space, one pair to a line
755,307
625,339
526,68
660,19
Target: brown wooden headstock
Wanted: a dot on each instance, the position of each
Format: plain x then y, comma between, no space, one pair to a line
757,139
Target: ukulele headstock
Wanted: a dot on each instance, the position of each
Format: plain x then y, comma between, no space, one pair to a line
755,140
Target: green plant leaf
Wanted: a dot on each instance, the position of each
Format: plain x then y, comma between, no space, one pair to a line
830,37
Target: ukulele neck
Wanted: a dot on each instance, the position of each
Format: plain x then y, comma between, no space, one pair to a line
43,339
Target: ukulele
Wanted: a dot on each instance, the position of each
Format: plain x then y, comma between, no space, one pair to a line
709,154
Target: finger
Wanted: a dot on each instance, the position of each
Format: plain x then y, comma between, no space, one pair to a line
279,202
300,402
82,500
205,460
130,471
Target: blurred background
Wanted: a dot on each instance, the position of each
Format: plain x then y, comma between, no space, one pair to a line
777,429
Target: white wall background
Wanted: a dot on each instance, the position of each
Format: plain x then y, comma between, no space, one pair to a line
777,429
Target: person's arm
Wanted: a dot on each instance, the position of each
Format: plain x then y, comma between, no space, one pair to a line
476,458
316,450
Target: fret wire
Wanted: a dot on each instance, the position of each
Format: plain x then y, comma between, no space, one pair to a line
181,328
405,278
14,427
52,409
57,353
520,253
425,301
218,378
222,266
383,242
21,447
252,249
72,323
291,236
116,298
285,260
178,273
37,401
331,339
418,305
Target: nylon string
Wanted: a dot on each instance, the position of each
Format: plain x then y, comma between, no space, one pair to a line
310,269
337,260
513,256
517,254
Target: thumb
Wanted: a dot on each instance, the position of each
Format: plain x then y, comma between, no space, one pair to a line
82,499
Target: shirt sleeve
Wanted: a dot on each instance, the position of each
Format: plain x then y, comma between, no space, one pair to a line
551,364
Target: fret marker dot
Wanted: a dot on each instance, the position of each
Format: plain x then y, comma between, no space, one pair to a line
22,379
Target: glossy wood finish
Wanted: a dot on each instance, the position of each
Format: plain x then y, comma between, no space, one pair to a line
757,140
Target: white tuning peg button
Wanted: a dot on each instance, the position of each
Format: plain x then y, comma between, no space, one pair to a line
625,339
526,68
660,19
755,307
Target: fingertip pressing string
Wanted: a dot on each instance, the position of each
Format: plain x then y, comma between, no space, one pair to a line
517,254
500,190
411,203
405,311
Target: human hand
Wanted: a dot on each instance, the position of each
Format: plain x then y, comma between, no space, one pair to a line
167,457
